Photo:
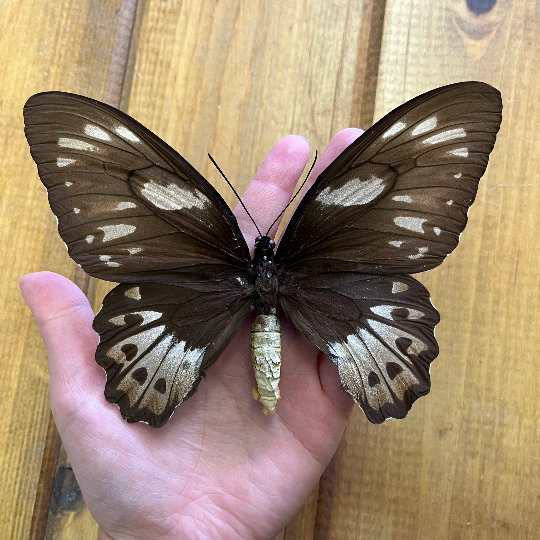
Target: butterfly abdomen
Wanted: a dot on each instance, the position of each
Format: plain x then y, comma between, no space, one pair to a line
266,355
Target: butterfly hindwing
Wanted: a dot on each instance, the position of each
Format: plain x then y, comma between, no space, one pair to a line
397,199
378,330
157,340
129,207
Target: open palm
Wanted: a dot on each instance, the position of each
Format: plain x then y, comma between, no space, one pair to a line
219,468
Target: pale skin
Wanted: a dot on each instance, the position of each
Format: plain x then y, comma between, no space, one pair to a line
219,468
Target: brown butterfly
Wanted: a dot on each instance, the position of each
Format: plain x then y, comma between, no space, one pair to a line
131,210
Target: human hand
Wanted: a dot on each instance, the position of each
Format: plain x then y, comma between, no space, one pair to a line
219,468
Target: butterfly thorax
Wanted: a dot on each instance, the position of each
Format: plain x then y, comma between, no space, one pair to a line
265,331
264,272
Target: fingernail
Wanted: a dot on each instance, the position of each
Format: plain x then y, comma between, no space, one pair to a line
305,138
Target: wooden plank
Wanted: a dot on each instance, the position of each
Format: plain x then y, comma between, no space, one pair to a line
218,78
227,83
465,462
67,516
46,45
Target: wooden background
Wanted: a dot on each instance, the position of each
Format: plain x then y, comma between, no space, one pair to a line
232,77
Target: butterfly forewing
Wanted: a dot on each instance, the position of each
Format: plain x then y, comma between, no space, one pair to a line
129,207
393,203
396,200
157,340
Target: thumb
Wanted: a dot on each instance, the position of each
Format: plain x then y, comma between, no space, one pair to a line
64,319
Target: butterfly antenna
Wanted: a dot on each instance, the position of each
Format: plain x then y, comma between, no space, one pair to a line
234,191
294,197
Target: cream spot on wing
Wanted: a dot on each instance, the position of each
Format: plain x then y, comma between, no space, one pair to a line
173,197
76,144
149,362
142,340
384,311
180,367
421,251
394,130
426,125
132,251
380,351
458,175
402,198
125,204
396,243
68,184
126,134
461,152
96,132
355,362
354,193
63,162
76,210
107,259
450,202
445,136
116,231
148,317
411,223
90,238
398,286
437,230
391,334
133,293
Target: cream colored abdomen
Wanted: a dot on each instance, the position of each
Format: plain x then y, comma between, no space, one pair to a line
266,355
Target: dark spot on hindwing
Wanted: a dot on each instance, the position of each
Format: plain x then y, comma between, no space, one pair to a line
373,379
130,350
393,369
133,319
140,375
403,344
160,385
399,313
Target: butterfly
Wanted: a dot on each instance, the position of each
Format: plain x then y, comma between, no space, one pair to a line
131,210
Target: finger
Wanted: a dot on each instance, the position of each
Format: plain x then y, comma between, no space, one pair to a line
64,318
271,188
335,147
340,141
